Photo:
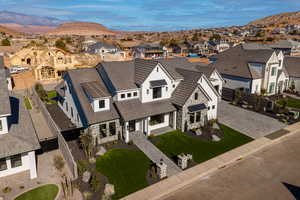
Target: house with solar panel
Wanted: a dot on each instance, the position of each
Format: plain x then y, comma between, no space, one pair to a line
118,99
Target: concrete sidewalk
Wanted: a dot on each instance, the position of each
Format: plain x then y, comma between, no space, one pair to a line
191,175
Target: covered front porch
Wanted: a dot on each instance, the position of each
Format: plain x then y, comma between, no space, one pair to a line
153,125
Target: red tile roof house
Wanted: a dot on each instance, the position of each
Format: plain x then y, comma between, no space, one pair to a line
117,99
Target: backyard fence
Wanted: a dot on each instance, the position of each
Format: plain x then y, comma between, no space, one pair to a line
63,146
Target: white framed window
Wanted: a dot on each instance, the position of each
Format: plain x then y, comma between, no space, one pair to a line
16,161
3,165
122,96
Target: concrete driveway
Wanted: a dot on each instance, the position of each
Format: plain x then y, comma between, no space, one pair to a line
250,123
270,174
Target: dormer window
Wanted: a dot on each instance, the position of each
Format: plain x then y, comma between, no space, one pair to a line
135,94
128,95
157,93
1,126
122,96
101,104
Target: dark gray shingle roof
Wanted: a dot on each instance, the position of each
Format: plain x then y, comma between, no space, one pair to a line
79,76
292,66
134,109
235,61
21,137
186,87
4,95
94,89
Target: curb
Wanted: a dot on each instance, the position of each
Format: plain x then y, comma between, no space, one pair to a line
176,182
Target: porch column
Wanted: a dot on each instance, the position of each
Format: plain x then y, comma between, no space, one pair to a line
174,120
32,165
127,139
147,125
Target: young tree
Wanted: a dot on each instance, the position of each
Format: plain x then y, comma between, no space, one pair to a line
60,44
87,143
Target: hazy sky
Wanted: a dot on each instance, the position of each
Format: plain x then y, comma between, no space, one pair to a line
154,14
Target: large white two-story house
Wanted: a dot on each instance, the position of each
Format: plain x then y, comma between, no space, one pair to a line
18,139
253,70
117,99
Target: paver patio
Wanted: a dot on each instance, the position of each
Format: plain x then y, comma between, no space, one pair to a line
250,123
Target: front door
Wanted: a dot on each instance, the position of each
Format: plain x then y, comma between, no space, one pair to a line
132,126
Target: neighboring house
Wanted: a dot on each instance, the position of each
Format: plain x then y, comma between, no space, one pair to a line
288,47
149,50
18,139
49,63
218,46
107,52
252,70
118,99
201,47
292,66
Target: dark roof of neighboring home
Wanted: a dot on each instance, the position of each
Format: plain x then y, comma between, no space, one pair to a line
204,68
21,136
4,95
256,46
60,89
99,45
186,87
135,109
79,76
235,61
95,90
285,44
292,66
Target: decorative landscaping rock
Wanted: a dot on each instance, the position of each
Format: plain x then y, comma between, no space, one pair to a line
86,176
244,106
216,126
109,190
198,132
101,151
215,138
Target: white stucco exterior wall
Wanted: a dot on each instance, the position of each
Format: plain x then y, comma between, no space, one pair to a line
213,103
158,73
28,163
256,86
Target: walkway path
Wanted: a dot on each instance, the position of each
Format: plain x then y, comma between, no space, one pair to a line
154,153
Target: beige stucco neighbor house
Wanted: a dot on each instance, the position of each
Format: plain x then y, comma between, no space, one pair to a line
49,63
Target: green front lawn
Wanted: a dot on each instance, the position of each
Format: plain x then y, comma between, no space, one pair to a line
46,192
27,103
126,169
290,102
51,96
176,142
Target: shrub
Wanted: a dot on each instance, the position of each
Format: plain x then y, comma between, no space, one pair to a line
82,166
41,92
59,162
21,187
95,182
6,190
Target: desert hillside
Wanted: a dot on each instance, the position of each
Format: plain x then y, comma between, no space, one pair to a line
9,31
81,28
280,19
35,29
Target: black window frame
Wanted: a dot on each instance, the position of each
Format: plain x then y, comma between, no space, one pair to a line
123,96
103,130
112,128
196,96
129,95
192,118
135,94
198,116
3,163
101,104
157,92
